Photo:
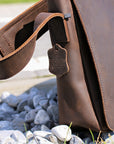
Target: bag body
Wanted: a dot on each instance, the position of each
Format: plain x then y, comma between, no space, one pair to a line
81,57
86,93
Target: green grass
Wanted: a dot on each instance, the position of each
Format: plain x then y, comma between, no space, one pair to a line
16,1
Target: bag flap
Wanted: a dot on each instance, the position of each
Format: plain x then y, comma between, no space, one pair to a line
97,18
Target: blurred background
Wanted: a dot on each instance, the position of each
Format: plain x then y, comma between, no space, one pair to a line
36,70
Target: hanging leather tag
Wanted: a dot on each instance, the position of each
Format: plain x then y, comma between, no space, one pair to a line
58,64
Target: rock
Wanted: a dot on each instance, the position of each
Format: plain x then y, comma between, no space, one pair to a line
18,137
50,124
8,140
22,114
92,143
110,140
52,102
23,96
37,99
44,128
21,105
5,125
6,108
42,117
106,135
33,141
41,133
30,116
42,140
30,102
38,108
53,113
4,95
36,128
19,124
44,104
76,140
53,139
52,94
12,100
27,108
6,116
62,132
12,137
33,91
87,140
29,135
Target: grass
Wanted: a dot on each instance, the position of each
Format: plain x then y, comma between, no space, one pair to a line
16,1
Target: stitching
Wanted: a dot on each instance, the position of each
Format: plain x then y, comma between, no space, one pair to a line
9,44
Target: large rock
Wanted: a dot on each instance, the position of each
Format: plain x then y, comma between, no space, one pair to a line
42,117
62,132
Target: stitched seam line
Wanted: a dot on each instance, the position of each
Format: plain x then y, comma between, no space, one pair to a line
9,44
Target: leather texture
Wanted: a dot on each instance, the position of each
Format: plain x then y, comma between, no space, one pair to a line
81,57
86,92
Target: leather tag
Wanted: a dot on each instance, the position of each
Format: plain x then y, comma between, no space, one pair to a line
58,64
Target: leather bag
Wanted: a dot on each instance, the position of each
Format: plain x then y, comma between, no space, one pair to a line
81,58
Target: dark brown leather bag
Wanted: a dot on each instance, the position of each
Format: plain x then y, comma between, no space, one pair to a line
81,58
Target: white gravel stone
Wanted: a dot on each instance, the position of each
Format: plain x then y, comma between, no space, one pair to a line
12,137
29,135
18,136
43,140
110,140
8,140
32,142
53,139
41,133
76,140
42,117
62,132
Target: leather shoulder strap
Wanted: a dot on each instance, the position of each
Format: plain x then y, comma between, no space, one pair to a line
13,60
